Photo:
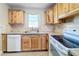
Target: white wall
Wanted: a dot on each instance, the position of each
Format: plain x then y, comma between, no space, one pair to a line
4,26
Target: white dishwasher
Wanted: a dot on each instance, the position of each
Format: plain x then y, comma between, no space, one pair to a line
13,43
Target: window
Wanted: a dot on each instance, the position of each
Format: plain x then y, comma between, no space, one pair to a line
33,20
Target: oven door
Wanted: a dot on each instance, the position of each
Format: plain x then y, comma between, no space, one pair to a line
53,51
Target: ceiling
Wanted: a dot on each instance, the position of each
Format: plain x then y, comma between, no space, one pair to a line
31,5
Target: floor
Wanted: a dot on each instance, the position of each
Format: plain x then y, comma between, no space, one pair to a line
41,53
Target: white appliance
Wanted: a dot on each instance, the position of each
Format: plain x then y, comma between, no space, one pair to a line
63,44
13,43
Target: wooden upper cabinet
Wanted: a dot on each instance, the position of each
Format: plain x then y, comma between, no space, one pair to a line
74,6
56,14
36,42
26,42
46,16
49,16
16,16
65,8
71,7
59,9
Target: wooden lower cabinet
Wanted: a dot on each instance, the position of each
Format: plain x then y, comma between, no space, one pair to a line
26,42
44,42
36,42
29,42
4,42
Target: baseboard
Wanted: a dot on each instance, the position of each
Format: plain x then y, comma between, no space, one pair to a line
23,51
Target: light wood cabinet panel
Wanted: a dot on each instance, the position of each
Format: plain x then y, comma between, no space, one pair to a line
20,17
49,15
26,43
16,17
74,6
65,8
44,42
71,7
10,16
4,42
36,42
59,9
56,14
46,16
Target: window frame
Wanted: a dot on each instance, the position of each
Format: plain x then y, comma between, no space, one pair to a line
38,20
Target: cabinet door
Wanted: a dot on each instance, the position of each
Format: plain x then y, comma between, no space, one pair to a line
20,17
46,17
44,42
65,8
26,43
36,42
59,9
16,17
50,16
71,7
4,42
76,5
10,16
56,14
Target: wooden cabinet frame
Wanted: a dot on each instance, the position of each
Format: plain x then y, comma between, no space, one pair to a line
16,16
36,42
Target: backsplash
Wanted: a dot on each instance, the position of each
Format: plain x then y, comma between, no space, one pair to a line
60,28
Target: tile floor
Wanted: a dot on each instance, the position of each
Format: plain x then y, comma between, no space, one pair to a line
41,53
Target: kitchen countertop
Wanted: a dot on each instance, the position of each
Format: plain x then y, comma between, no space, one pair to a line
16,33
74,52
